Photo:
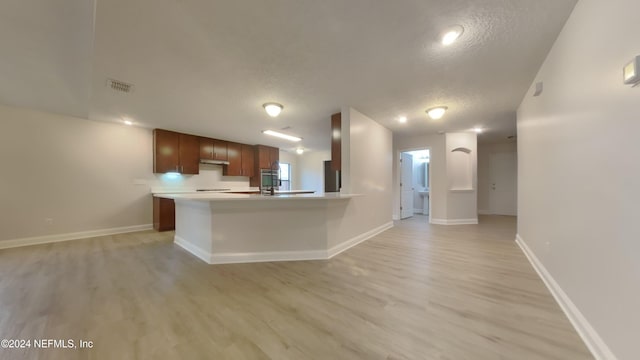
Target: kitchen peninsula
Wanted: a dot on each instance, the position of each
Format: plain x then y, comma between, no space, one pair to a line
236,228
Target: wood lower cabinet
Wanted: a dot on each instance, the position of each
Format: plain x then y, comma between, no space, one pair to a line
175,152
164,214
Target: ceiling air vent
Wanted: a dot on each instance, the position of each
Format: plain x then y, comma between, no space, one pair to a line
119,86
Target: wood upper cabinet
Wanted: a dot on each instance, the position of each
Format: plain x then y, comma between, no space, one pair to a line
189,154
213,149
274,155
220,150
267,155
206,148
248,160
336,142
166,151
234,156
241,160
175,152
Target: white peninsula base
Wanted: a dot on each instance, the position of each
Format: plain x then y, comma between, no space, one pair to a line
225,228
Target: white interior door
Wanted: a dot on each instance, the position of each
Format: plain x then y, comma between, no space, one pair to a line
503,194
406,186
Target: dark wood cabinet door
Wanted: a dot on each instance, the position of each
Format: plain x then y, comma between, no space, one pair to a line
164,214
206,148
274,155
166,151
234,156
336,142
189,154
220,150
248,160
262,156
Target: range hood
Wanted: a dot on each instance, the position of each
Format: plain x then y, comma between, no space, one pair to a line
214,162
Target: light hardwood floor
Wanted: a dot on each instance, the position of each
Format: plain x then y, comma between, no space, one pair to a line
417,291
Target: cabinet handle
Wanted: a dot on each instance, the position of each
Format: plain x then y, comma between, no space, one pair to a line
182,169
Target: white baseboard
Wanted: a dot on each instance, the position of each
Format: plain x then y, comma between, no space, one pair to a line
268,256
358,239
484,212
594,342
453,221
195,250
233,258
37,240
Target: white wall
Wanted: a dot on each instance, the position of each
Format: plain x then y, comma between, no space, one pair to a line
485,151
418,180
366,170
462,177
578,193
311,170
291,158
81,174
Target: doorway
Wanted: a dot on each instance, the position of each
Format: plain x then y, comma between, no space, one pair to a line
503,193
414,183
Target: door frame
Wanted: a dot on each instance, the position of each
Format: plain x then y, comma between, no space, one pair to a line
397,157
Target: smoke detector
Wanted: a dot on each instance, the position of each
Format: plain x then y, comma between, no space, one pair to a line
119,86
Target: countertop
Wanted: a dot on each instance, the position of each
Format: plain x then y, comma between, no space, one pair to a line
216,196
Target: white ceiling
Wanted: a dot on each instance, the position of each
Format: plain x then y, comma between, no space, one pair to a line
206,67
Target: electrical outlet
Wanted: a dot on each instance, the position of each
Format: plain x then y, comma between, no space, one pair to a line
48,221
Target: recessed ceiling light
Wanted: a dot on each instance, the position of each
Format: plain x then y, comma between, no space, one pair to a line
281,135
452,34
128,122
477,130
402,119
437,112
273,109
299,151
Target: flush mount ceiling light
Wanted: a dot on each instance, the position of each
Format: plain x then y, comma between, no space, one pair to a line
299,151
273,109
128,122
281,135
452,34
437,112
477,130
402,119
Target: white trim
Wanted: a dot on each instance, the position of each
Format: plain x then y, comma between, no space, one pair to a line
594,342
358,239
37,240
194,250
396,217
484,212
233,258
453,221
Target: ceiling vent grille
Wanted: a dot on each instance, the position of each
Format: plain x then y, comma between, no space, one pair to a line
119,86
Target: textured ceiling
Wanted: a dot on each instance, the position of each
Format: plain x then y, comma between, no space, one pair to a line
206,67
